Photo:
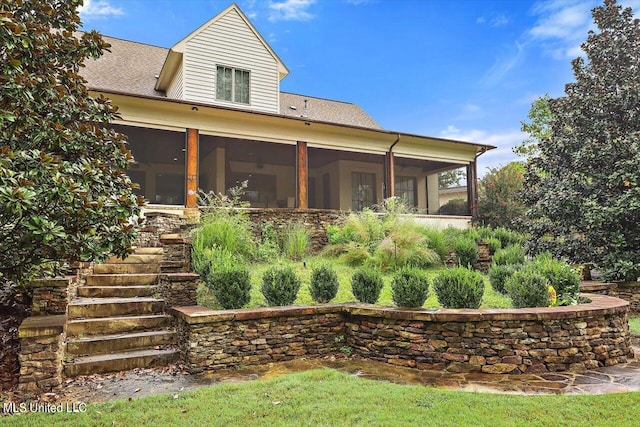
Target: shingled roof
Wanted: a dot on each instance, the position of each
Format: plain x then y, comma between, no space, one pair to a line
131,68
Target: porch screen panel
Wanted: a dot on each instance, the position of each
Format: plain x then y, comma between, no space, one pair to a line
363,190
406,189
159,163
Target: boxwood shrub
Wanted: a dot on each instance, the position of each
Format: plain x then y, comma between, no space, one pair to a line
528,288
459,288
324,284
280,286
410,287
366,285
466,252
498,275
230,287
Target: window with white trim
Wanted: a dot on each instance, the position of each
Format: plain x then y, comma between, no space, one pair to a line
232,85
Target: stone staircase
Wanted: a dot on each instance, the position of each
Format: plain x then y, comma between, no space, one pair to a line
116,323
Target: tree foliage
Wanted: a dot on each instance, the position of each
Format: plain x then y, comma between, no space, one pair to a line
538,127
499,204
583,187
450,178
64,194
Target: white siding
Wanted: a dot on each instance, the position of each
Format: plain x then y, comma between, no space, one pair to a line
176,88
230,42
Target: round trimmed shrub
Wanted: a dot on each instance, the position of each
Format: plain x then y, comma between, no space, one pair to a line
513,254
410,287
466,252
280,286
459,288
528,288
564,279
366,285
231,288
324,284
498,275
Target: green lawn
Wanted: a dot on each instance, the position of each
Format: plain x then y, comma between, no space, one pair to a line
491,299
327,397
634,325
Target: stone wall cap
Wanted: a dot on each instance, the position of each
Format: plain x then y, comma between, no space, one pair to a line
51,282
174,238
599,305
593,285
180,277
42,326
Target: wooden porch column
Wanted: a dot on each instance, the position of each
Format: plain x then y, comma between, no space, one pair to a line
192,168
302,163
472,188
390,175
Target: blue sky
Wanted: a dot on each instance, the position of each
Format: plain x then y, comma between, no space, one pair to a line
460,69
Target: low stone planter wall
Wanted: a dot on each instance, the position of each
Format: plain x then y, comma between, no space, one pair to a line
628,291
503,341
50,296
41,343
315,220
178,289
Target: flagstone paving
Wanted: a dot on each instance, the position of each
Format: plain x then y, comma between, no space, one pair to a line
139,383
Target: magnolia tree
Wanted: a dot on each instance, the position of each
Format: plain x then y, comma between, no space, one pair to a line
582,185
64,194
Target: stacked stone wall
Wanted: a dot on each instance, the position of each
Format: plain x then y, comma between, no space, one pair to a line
574,338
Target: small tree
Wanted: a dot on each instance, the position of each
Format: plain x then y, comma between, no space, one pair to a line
498,201
64,193
583,188
538,127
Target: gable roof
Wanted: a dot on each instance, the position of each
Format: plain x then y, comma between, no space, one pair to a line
174,57
132,68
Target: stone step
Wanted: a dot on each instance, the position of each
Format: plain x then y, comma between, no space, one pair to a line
148,251
126,268
105,344
115,325
121,279
119,361
116,291
135,259
110,307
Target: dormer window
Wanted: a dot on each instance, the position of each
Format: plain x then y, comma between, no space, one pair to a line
232,85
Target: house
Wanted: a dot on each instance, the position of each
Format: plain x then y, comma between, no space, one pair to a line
208,114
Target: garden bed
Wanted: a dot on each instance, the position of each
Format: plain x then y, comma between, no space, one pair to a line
568,338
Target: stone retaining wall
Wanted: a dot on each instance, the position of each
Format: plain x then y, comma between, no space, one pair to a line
628,291
515,341
315,220
159,223
178,289
50,296
41,343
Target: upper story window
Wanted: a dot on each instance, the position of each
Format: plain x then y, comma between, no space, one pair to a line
232,85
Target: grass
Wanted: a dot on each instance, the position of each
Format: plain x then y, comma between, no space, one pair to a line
491,299
328,397
634,325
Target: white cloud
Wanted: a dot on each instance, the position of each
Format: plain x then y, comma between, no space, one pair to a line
290,10
503,141
503,65
561,26
494,21
98,9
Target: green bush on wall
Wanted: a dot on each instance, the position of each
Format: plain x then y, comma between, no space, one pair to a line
366,285
280,286
324,284
498,275
410,287
459,288
466,252
527,288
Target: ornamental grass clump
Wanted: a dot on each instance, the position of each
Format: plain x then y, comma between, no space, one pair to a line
280,286
528,288
513,254
459,288
295,242
324,284
410,287
366,285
